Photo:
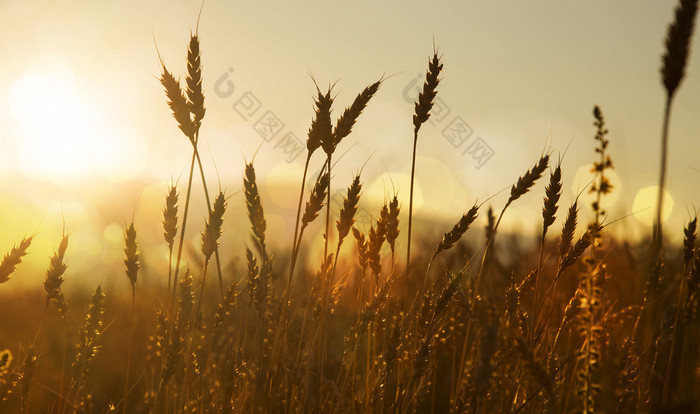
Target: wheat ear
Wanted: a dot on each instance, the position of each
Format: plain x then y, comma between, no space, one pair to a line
13,258
170,226
54,278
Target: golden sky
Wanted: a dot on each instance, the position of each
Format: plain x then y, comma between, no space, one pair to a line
84,124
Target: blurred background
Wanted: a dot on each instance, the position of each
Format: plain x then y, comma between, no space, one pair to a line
86,137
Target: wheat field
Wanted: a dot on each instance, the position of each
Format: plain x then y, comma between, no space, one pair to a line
573,320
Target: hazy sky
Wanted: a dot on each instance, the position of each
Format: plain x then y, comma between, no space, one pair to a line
83,119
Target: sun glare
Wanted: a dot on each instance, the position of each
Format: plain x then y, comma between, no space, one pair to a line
56,136
54,126
644,206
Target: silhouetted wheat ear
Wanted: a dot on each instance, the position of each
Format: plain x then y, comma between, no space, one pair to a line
170,216
321,124
678,45
255,209
453,236
321,131
392,223
54,277
195,96
315,203
178,104
528,180
551,198
347,119
212,227
425,98
131,254
348,210
579,247
13,258
568,230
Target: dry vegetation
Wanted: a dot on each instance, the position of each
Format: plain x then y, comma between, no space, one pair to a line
580,323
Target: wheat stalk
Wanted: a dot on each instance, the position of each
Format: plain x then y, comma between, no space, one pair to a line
210,239
675,60
320,126
422,113
313,207
132,264
549,211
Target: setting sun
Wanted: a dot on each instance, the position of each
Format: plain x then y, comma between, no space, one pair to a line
59,138
54,126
